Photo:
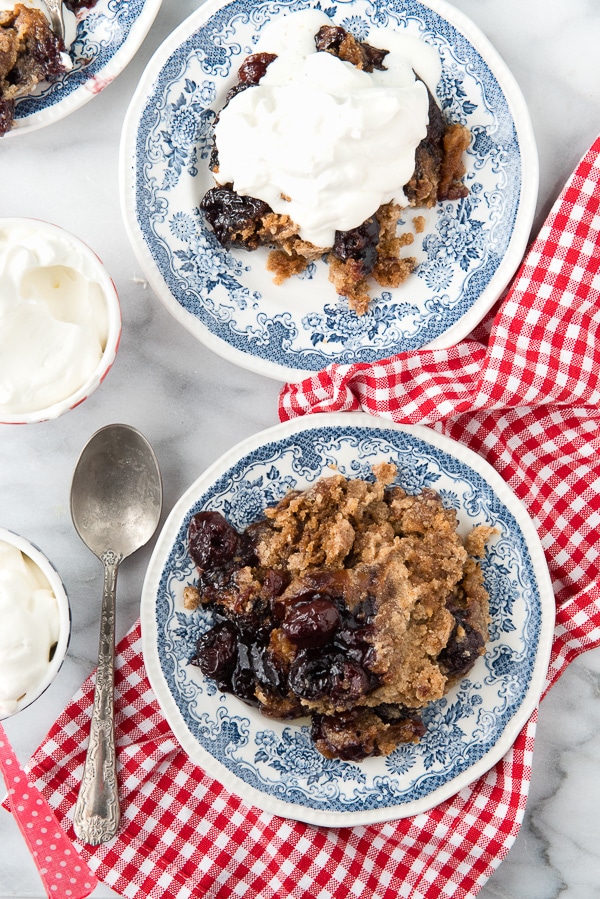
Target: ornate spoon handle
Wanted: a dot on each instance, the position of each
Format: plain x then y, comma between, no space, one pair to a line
97,811
63,873
55,11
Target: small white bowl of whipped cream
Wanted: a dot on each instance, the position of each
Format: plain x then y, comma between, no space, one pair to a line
35,623
60,321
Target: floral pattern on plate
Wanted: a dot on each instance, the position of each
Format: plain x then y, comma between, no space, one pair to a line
108,36
466,254
275,764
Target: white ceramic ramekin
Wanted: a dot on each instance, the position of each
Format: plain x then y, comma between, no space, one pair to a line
101,275
64,615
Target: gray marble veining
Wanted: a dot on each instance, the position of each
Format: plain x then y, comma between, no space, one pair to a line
192,406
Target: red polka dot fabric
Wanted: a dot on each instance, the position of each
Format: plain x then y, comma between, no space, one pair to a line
524,392
63,873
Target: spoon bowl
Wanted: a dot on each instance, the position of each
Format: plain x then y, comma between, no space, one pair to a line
116,501
116,494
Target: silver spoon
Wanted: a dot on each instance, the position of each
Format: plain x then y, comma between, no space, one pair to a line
57,22
116,500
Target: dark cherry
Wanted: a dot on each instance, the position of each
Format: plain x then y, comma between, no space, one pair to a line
229,214
430,151
355,637
75,5
310,677
216,652
214,583
351,682
399,714
325,728
360,244
462,652
311,623
341,735
315,675
266,671
243,682
329,38
238,661
418,728
255,625
274,583
47,53
356,644
333,585
212,540
254,67
373,57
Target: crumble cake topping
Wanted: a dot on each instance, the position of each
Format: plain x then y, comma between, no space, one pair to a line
352,602
30,52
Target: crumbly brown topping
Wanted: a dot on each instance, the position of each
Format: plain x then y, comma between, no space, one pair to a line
419,223
406,548
456,141
368,603
29,53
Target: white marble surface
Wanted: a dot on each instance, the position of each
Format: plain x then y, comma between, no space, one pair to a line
192,406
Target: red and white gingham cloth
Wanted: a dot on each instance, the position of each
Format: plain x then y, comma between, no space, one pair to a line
523,391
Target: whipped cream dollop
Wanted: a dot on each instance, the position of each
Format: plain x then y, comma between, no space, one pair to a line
318,139
29,626
53,318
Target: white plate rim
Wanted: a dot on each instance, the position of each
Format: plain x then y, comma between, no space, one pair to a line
276,806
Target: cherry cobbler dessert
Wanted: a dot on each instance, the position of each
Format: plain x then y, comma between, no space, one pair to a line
352,602
321,144
30,53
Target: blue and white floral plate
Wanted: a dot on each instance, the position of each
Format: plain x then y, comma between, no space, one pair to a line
467,253
108,37
274,765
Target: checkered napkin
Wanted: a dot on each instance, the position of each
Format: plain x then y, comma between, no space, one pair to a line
523,391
